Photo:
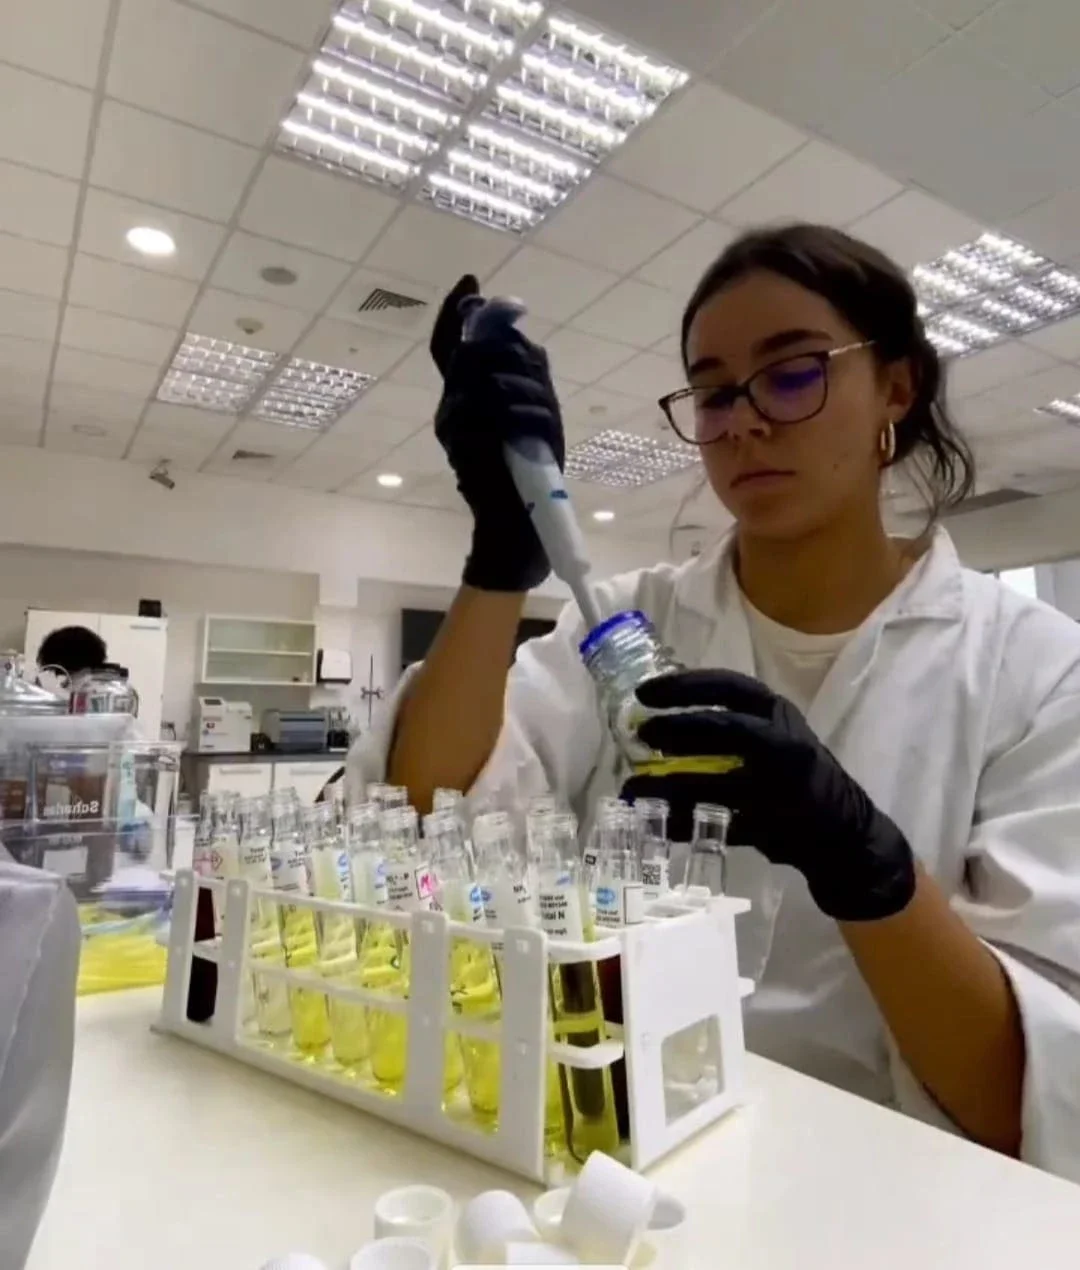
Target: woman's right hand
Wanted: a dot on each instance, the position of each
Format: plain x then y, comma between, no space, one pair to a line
494,391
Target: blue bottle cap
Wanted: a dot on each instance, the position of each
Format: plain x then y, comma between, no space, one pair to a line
631,617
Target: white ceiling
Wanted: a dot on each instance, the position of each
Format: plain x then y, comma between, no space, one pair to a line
914,124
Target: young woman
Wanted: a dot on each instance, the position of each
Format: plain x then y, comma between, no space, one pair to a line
910,729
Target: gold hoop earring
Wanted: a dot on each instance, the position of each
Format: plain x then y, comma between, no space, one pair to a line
887,443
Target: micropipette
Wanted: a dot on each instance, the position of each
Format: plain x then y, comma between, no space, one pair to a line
536,474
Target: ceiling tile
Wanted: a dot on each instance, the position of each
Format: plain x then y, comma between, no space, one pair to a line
117,374
554,287
318,277
299,203
437,492
127,291
218,314
614,225
23,357
169,163
324,476
297,21
37,205
97,403
680,266
29,317
362,427
632,312
647,376
116,336
581,358
1060,339
1053,226
437,248
1036,390
418,455
703,147
355,347
957,13
255,434
981,416
186,421
60,437
1035,38
819,183
397,401
31,38
37,268
107,218
413,321
43,123
805,61
213,74
419,371
593,409
975,374
914,227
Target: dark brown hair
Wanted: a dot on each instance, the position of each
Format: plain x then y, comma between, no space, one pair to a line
876,298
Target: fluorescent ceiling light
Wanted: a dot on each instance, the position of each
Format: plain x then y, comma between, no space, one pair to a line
1064,408
988,290
603,516
545,99
389,480
624,460
233,378
150,242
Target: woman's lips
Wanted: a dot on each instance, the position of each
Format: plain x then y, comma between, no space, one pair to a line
765,476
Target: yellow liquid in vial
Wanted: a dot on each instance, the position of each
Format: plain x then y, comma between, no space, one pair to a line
271,997
338,960
587,1097
474,994
307,1007
384,967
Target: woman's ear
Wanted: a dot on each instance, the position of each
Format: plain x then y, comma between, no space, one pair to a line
900,388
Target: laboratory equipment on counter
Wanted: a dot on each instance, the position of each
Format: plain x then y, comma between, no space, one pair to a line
222,727
620,654
104,690
296,731
21,699
535,473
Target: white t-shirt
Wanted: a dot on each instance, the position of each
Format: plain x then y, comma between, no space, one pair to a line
789,662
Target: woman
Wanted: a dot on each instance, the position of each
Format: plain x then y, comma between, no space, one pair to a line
911,729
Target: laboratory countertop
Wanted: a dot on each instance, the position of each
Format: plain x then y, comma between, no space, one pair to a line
264,756
176,1157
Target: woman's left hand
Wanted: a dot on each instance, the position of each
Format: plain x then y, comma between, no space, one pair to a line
790,799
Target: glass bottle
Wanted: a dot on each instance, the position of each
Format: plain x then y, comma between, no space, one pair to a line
253,863
620,654
651,815
474,988
409,888
290,868
707,865
587,1099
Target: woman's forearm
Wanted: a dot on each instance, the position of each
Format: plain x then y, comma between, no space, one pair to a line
451,718
949,1006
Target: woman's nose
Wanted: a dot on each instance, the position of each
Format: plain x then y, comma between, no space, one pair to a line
743,421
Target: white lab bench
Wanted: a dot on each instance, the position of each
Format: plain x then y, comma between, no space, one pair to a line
177,1158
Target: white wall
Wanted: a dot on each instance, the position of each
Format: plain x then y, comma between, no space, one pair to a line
1029,532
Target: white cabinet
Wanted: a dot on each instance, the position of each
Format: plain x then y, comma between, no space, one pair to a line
249,780
257,650
306,778
138,643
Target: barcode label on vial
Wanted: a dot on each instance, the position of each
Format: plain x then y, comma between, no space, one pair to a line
619,903
654,878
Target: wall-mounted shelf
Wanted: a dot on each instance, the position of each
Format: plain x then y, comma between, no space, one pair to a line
256,651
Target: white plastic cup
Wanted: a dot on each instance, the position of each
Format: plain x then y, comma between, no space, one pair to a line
607,1211
394,1253
546,1255
548,1211
665,1245
489,1222
425,1213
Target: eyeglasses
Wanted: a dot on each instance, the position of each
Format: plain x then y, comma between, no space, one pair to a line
788,391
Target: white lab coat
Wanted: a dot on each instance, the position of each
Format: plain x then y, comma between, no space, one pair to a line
956,705
39,962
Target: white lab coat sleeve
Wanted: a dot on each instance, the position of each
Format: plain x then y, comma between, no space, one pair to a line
39,956
551,731
1022,897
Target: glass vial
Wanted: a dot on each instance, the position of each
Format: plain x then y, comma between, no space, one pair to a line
651,815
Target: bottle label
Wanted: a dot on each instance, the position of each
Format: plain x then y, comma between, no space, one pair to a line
560,909
590,857
369,880
255,861
506,903
461,901
289,872
619,903
409,887
654,878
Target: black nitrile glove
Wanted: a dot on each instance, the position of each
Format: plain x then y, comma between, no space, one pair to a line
791,799
493,391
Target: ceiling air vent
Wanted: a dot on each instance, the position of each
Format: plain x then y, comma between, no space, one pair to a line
995,498
252,456
378,300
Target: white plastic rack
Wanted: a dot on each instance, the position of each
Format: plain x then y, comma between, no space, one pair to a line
664,995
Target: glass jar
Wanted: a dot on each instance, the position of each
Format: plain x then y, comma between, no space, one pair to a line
620,654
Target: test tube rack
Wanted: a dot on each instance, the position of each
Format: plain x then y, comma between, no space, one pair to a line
678,969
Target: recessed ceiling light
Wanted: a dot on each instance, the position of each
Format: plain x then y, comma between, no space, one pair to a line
151,242
544,99
389,480
89,429
278,275
603,516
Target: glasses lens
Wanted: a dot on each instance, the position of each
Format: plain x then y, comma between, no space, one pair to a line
789,391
